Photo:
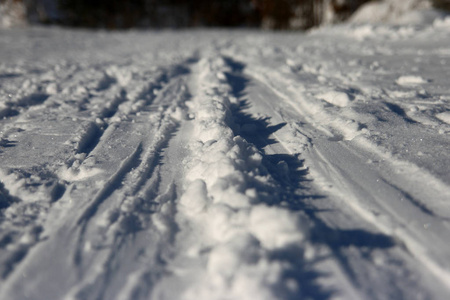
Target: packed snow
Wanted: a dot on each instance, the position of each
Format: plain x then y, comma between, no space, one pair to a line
214,164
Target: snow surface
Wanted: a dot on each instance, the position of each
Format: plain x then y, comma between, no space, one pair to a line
225,165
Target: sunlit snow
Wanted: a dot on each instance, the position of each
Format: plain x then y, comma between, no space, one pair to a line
213,164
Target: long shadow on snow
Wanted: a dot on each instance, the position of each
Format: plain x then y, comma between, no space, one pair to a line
5,143
286,171
283,168
289,190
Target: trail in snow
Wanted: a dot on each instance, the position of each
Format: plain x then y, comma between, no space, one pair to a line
180,165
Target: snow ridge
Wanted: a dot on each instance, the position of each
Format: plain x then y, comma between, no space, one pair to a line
247,248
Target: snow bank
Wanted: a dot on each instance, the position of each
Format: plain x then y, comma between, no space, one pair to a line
417,12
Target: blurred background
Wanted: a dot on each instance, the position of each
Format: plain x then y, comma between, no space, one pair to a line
267,14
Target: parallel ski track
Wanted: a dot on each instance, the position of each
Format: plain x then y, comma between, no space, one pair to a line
129,182
136,182
416,244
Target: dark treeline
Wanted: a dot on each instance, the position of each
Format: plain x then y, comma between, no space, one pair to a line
157,13
274,14
116,14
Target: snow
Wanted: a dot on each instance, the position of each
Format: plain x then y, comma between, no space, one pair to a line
214,164
444,117
410,80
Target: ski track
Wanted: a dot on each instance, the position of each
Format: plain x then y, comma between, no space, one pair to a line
334,175
338,240
246,168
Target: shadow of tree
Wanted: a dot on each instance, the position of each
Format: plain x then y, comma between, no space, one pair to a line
290,191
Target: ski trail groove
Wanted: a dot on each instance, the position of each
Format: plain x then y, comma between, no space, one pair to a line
386,236
111,185
129,183
407,239
135,190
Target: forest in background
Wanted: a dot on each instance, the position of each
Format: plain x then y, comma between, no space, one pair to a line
119,14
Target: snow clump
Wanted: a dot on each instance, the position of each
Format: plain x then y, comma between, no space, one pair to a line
336,98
